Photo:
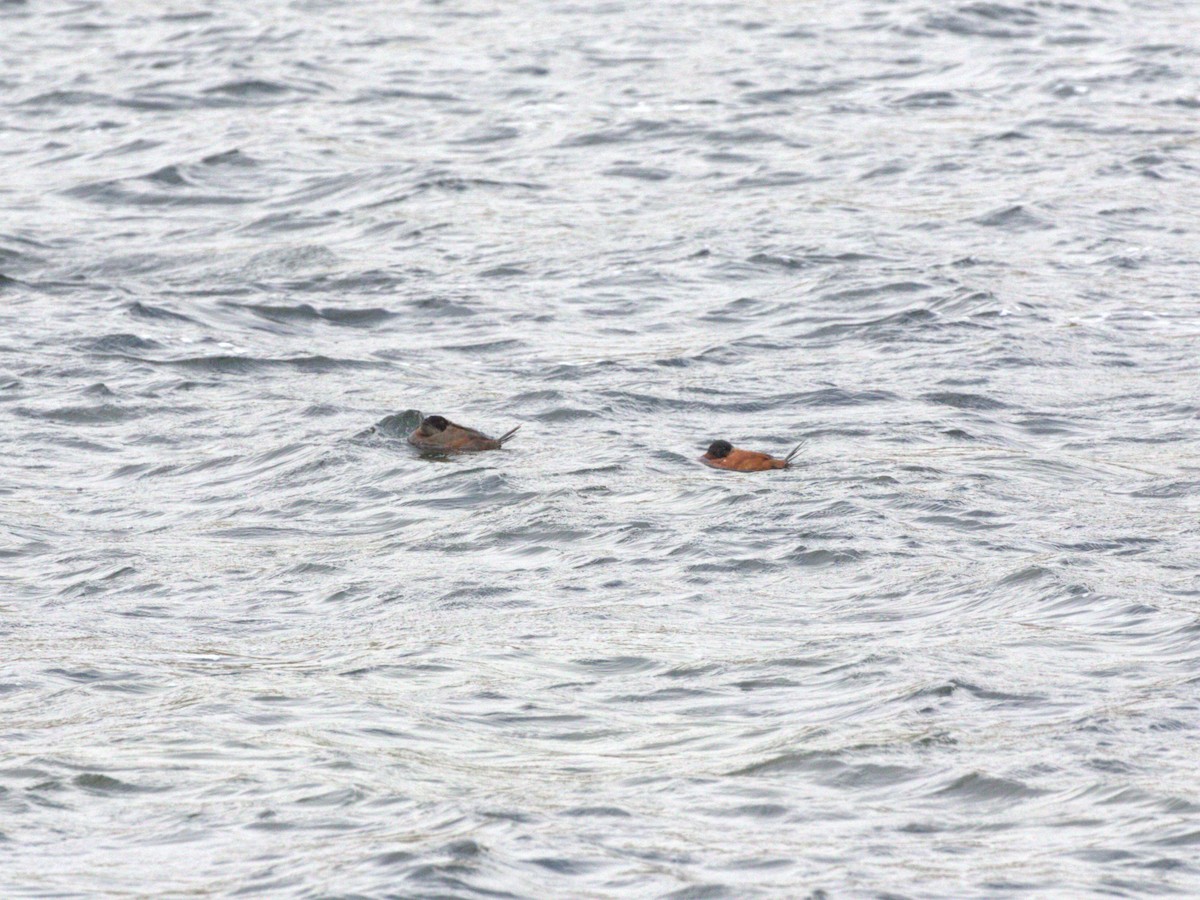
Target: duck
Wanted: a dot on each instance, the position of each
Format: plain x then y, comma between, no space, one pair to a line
438,434
723,455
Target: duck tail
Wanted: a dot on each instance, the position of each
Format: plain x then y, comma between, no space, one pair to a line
507,435
787,460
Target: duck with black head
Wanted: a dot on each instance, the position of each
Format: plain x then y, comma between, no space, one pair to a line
723,455
437,434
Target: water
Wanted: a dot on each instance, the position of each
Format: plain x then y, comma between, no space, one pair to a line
253,643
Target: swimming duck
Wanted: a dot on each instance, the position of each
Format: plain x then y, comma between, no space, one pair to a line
436,433
723,455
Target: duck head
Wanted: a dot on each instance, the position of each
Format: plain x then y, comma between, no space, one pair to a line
719,450
432,425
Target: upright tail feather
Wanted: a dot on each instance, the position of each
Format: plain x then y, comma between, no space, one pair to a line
508,434
788,459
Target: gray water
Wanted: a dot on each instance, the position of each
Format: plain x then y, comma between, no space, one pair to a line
250,642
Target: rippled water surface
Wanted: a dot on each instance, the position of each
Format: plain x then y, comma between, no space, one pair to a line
252,642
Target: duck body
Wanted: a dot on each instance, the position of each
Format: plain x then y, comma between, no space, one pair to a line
723,455
437,434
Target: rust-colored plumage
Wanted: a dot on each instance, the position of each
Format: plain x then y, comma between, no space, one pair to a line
723,455
437,434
